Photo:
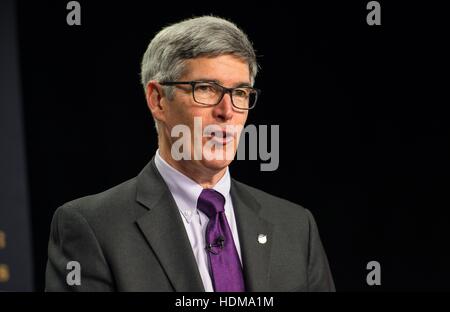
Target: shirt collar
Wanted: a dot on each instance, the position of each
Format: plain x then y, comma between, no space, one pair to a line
185,190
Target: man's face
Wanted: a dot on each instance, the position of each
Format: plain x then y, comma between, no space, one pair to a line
228,71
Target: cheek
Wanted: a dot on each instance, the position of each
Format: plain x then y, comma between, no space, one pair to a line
241,118
179,113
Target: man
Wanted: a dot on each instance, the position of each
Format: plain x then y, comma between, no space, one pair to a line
183,224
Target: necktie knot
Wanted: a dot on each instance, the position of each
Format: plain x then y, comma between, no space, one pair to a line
211,202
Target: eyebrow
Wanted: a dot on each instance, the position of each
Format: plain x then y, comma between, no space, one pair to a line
237,85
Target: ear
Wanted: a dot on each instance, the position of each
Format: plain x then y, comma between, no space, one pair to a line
154,96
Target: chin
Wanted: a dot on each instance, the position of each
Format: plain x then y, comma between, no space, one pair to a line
215,164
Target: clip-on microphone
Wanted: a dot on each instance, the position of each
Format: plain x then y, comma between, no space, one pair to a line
220,243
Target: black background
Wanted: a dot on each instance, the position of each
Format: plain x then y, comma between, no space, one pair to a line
364,136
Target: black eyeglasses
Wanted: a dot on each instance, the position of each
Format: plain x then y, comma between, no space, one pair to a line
211,93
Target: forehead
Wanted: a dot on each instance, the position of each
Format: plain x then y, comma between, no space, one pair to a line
226,69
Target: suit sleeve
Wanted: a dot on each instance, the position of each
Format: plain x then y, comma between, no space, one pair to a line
72,239
319,273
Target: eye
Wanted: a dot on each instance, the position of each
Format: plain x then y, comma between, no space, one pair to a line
241,93
205,88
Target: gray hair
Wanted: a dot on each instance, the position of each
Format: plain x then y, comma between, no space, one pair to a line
191,38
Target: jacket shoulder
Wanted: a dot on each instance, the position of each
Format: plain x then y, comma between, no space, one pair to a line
273,206
105,206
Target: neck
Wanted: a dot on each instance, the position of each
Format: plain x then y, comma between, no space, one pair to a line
194,169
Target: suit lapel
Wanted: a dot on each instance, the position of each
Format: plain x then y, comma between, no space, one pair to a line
164,231
255,256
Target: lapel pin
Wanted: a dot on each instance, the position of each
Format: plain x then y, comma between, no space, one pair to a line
262,238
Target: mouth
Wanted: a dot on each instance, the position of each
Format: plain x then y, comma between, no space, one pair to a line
220,137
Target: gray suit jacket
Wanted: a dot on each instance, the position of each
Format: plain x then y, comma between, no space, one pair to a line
132,238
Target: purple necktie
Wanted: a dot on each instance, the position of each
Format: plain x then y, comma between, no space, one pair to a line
226,271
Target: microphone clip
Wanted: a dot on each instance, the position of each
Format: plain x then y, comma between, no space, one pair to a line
219,243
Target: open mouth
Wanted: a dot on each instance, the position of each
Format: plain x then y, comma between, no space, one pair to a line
220,136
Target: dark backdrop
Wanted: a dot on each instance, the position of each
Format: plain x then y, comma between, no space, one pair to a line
364,137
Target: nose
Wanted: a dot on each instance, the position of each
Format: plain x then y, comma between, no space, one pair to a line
224,110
